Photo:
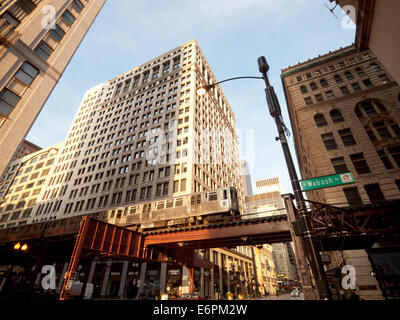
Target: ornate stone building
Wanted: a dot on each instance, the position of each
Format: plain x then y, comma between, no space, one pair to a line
34,56
344,109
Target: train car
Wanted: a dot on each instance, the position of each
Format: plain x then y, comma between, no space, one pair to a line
191,209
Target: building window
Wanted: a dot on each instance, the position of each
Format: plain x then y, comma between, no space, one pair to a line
353,196
356,86
367,107
339,165
395,128
385,159
370,134
10,19
43,50
382,129
68,17
299,79
308,75
380,106
374,192
308,101
320,120
319,97
329,94
78,5
313,86
329,141
347,137
303,89
395,153
359,71
359,163
348,75
367,83
27,73
183,185
375,67
8,100
338,78
336,116
345,90
57,33
323,83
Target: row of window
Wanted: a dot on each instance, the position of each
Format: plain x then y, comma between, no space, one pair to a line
338,79
344,89
57,32
11,95
332,67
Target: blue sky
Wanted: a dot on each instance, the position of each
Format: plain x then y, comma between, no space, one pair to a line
232,35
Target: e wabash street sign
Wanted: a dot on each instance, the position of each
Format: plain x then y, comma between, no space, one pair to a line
327,181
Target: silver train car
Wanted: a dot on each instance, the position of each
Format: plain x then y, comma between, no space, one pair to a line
192,209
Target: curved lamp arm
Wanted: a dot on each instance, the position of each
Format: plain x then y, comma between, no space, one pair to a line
204,89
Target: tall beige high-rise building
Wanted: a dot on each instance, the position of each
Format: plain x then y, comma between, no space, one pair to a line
37,40
145,135
345,113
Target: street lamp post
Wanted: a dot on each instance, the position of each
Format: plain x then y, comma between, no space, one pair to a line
275,111
315,258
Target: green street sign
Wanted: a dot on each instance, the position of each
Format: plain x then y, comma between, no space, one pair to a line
327,181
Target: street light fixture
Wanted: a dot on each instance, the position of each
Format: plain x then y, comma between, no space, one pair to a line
275,111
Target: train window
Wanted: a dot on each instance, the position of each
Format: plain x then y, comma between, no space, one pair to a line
160,205
119,213
225,194
192,200
112,214
213,196
233,194
199,199
178,202
133,210
170,203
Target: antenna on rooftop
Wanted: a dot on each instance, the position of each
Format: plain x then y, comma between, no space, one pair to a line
331,10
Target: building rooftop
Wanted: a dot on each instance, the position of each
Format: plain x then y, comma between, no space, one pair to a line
321,59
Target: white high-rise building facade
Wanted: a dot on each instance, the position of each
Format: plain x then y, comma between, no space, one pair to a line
142,136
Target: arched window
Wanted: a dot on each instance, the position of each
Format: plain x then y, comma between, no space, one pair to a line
348,75
360,71
375,67
313,86
336,116
303,89
338,78
369,107
320,120
323,83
